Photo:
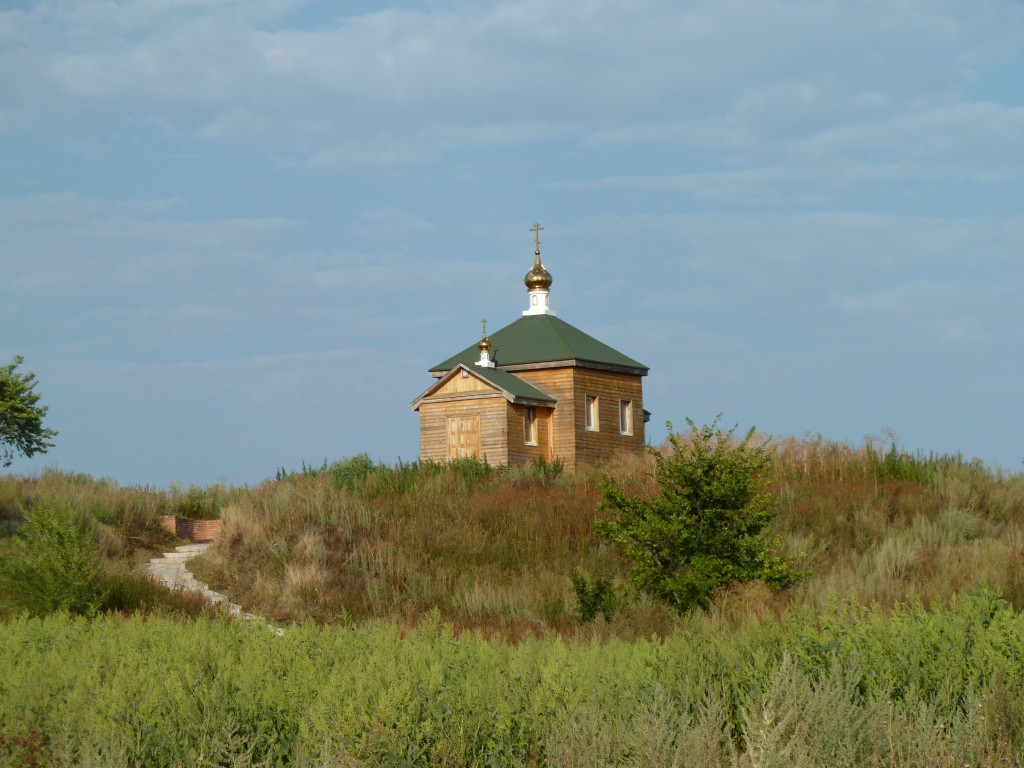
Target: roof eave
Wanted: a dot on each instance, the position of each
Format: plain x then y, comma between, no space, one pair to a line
541,365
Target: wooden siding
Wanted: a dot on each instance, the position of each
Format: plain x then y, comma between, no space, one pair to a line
558,382
600,445
518,450
493,427
571,441
459,384
562,433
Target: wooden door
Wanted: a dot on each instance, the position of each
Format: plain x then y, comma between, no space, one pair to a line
463,437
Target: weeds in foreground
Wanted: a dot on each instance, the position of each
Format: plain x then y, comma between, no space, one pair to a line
852,687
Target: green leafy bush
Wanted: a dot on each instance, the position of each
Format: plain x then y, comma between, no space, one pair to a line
706,528
53,564
547,471
472,470
593,599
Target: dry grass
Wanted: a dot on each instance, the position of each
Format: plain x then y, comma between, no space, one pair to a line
493,550
495,556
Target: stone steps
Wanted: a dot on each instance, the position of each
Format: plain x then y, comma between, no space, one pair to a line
171,570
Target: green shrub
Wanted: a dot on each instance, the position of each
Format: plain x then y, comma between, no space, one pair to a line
197,503
593,599
350,472
539,471
428,479
471,471
706,528
127,590
53,564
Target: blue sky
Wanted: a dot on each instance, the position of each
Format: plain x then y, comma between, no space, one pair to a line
235,234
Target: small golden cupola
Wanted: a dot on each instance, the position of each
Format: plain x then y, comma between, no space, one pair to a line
538,281
485,349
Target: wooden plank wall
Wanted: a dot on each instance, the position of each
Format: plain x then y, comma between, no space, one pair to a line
558,382
493,427
518,451
562,432
571,441
598,447
459,384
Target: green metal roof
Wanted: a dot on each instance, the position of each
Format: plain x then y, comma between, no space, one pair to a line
542,339
510,383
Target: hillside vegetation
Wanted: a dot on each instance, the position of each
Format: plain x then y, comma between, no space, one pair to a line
902,647
81,541
499,549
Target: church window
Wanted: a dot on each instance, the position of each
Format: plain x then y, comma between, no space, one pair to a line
530,423
626,417
590,412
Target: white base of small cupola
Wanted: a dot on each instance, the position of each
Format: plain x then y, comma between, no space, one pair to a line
539,304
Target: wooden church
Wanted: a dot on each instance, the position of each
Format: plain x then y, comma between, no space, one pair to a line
538,388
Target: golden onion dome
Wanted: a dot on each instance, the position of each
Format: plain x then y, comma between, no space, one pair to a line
485,344
538,278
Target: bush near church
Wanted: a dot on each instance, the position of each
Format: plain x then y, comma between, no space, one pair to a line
706,528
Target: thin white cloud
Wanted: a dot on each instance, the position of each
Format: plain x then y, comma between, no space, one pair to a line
75,243
508,73
132,271
747,185
810,183
949,311
184,322
980,131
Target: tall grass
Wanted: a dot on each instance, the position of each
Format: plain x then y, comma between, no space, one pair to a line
884,526
490,548
130,513
851,687
496,549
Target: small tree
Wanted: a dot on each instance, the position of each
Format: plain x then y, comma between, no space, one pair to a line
21,417
706,528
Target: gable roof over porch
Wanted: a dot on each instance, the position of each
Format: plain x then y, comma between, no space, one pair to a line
505,384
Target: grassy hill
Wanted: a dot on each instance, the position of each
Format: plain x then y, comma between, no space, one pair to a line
495,549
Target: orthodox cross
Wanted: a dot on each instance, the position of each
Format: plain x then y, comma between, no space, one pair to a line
536,229
484,324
